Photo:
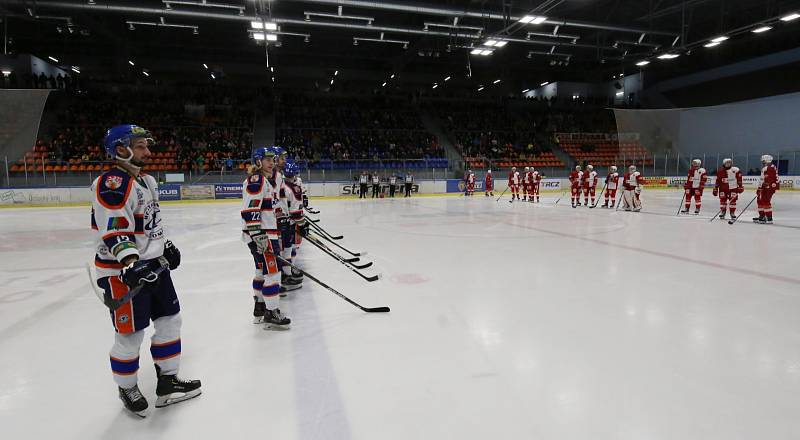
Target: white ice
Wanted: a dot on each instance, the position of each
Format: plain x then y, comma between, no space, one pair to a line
508,321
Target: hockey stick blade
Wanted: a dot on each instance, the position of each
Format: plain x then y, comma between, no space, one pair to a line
351,260
361,266
334,291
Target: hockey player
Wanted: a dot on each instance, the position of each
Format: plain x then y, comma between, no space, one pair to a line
728,186
767,186
489,184
536,178
632,188
260,232
376,184
291,279
589,184
513,183
526,183
281,210
409,183
575,179
695,183
362,185
392,185
470,180
612,182
130,250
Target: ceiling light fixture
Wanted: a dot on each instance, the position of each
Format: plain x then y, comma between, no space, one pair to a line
480,88
496,81
490,43
335,73
131,63
205,65
487,52
532,19
790,17
761,29
213,77
544,83
643,63
384,84
501,43
668,56
392,77
55,60
447,79
526,90
719,39
476,51
145,73
435,86
712,44
264,25
620,93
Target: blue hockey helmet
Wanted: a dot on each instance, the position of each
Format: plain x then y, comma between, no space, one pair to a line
123,135
262,152
279,151
291,169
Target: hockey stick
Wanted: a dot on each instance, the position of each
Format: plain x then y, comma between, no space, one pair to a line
730,222
336,257
598,199
325,233
560,197
352,261
682,202
355,254
332,290
619,202
312,220
114,303
311,210
501,194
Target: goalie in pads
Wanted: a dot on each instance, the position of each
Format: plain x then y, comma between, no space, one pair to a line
632,188
130,250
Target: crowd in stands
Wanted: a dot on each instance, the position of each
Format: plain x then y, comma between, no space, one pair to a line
195,128
317,128
40,81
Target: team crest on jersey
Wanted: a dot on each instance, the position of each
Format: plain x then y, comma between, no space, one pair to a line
271,263
255,178
117,223
123,319
113,182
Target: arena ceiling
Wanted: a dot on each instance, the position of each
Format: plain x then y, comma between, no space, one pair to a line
420,43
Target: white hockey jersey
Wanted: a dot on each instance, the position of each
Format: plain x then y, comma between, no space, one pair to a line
258,200
127,218
294,199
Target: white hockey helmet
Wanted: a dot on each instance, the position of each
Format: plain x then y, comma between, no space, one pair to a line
696,162
727,162
489,171
613,168
632,168
469,171
590,167
513,168
527,168
577,167
766,158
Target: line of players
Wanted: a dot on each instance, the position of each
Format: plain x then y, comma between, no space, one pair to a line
727,187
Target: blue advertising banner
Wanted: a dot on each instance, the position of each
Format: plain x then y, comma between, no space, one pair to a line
169,191
228,191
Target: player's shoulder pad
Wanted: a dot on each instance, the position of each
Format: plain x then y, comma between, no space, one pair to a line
113,188
255,183
735,169
702,170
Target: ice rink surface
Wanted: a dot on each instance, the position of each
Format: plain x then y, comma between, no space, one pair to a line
509,321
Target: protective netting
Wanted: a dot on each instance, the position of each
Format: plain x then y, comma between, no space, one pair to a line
742,131
20,115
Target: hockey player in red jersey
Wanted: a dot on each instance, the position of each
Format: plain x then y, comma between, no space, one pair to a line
489,184
695,183
513,183
589,184
766,189
536,180
575,179
632,188
612,183
470,181
728,186
526,183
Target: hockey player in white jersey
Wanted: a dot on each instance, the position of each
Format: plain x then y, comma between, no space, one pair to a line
290,278
132,252
260,232
282,213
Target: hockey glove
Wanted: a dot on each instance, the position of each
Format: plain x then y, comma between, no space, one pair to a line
740,190
140,272
716,192
305,201
283,223
261,240
172,254
638,190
